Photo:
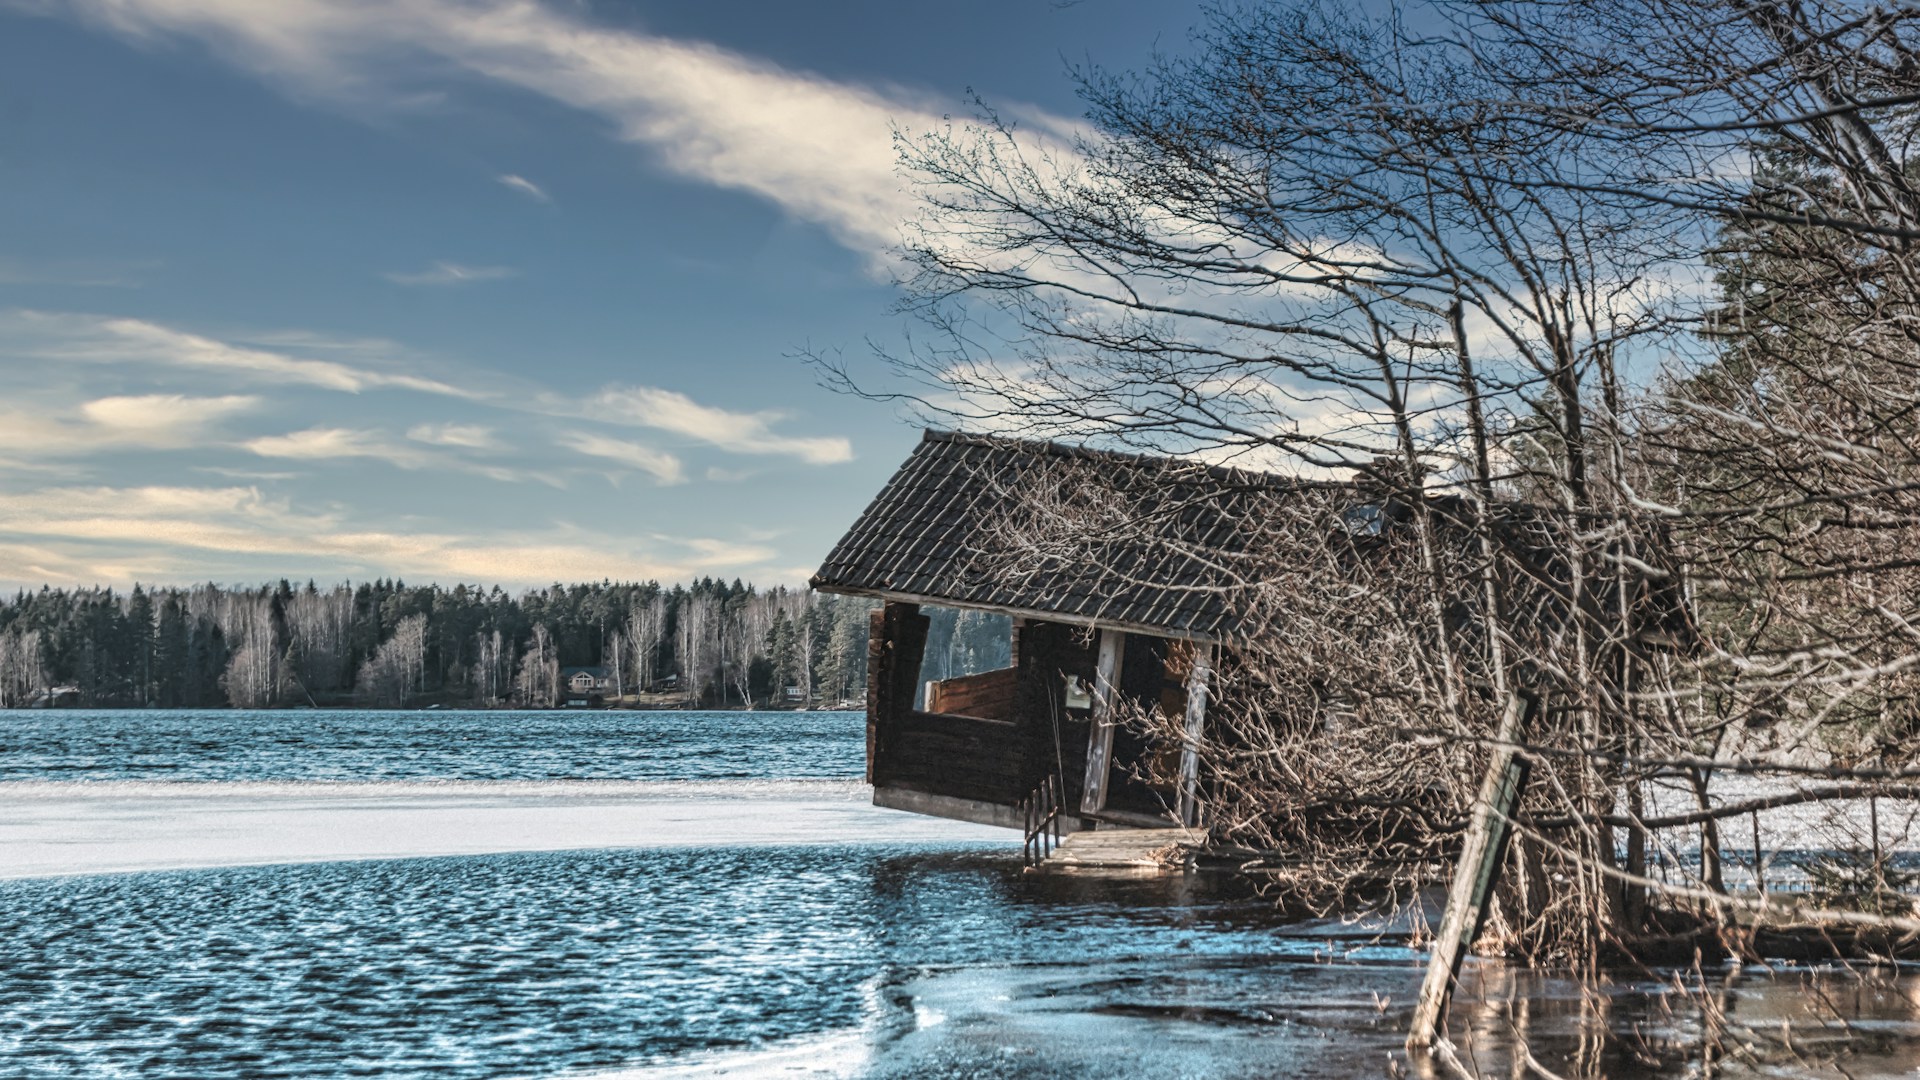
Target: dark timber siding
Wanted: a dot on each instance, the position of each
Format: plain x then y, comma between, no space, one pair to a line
996,760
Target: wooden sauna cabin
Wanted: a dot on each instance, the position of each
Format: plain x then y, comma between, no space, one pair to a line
1106,621
1084,642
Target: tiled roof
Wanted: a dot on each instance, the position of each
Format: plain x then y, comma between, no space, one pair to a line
938,533
931,534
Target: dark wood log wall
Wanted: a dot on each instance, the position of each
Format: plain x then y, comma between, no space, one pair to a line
997,759
963,757
897,640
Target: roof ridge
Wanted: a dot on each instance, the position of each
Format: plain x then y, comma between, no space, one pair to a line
1061,449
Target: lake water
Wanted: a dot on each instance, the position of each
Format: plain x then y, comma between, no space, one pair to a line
538,894
319,745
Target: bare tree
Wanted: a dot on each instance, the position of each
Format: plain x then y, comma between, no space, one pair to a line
694,639
646,628
256,674
23,670
1439,250
493,667
537,684
319,624
397,669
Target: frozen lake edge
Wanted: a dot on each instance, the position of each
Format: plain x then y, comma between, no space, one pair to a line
50,829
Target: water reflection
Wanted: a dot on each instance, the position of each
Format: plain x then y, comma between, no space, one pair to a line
1738,1020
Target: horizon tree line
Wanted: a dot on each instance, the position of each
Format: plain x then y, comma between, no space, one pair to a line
385,643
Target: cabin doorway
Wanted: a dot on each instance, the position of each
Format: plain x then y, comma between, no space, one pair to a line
1146,765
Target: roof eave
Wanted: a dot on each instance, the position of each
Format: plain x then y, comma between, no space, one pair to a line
1069,618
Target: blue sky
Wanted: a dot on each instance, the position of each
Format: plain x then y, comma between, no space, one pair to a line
467,290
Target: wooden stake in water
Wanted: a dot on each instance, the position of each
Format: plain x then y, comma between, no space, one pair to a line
1481,855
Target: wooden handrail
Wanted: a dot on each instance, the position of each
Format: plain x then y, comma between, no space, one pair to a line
1042,811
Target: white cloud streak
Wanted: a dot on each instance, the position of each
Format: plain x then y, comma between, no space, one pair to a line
451,273
101,339
164,416
97,339
736,432
147,422
162,533
328,444
346,444
466,436
525,187
820,149
662,466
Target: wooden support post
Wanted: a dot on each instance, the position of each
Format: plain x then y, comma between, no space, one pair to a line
877,683
1106,689
897,638
1481,855
1196,728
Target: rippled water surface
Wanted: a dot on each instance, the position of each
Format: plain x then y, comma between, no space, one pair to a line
863,960
533,963
368,745
758,922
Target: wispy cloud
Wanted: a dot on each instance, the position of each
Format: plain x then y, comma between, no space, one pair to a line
341,444
450,273
822,149
147,422
163,416
170,533
467,436
525,187
99,339
710,553
325,444
737,432
244,474
662,466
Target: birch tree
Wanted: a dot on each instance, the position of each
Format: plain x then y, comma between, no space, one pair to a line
695,639
537,684
396,671
646,627
23,670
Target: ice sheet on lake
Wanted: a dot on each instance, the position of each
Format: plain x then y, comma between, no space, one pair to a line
825,1057
1839,825
49,828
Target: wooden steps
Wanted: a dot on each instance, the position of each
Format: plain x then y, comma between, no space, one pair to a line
1138,851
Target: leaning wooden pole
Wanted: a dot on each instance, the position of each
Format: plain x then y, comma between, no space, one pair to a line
1481,855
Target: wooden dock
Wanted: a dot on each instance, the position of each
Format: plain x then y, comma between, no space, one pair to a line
1133,851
